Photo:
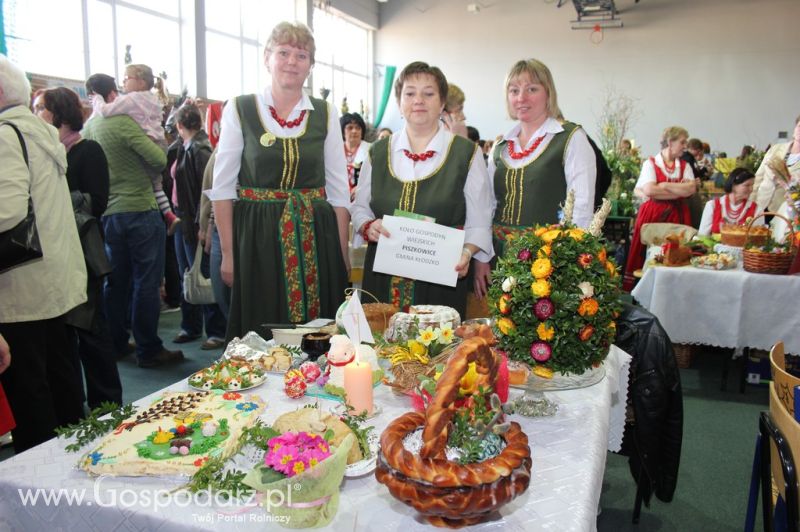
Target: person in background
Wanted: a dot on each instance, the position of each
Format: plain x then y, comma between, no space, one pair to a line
209,237
384,132
664,184
536,162
135,237
453,115
193,154
768,196
146,108
427,170
87,174
42,385
280,153
734,207
355,148
694,155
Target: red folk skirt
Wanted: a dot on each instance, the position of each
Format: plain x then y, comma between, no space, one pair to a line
651,211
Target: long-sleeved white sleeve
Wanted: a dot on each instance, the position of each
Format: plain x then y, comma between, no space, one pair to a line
706,219
229,156
478,196
360,211
580,171
336,187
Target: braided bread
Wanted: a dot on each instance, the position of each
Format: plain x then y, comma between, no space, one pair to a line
440,412
448,493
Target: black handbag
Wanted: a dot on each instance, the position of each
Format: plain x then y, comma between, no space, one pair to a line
20,244
94,251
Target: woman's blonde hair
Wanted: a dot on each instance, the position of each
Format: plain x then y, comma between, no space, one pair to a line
297,35
672,133
455,98
142,72
539,73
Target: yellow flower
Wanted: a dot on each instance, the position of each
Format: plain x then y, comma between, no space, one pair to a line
545,251
612,326
612,270
601,255
545,332
540,231
541,268
576,234
427,336
551,235
446,333
540,288
588,306
469,382
542,371
505,325
162,436
416,348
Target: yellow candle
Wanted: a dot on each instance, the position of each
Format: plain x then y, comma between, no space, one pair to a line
358,386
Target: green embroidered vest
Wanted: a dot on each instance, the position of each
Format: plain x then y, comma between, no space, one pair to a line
439,194
270,161
532,194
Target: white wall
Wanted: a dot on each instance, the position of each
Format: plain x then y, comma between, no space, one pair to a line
727,70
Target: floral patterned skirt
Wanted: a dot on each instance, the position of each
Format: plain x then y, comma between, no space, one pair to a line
269,277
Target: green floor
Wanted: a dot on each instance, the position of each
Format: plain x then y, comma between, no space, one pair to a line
718,443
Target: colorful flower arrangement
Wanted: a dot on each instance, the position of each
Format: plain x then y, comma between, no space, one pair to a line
422,345
293,453
554,297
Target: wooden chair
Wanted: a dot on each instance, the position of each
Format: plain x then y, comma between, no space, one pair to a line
778,476
777,448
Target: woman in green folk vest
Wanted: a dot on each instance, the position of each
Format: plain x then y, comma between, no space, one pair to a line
284,241
537,161
426,170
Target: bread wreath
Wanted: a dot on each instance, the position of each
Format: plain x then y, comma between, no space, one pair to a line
430,465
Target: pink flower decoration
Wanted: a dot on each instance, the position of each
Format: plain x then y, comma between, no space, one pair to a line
541,351
544,308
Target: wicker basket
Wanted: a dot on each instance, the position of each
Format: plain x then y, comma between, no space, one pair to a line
775,263
683,354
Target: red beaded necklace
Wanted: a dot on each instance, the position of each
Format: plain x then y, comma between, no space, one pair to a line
419,156
287,123
522,154
733,215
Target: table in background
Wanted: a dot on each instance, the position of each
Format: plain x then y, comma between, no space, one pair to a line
728,308
569,455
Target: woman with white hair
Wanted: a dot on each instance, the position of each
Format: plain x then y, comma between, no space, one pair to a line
42,384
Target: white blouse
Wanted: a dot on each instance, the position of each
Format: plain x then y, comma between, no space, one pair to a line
648,174
580,166
231,144
708,215
477,189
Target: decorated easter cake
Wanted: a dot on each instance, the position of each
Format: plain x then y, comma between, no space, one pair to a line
176,435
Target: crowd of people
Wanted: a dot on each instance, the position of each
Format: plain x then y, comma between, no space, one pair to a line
268,209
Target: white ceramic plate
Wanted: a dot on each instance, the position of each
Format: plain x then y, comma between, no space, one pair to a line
367,465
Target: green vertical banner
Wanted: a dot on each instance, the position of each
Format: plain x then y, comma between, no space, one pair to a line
388,80
3,49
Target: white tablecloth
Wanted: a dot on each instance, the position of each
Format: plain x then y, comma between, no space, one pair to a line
569,456
729,308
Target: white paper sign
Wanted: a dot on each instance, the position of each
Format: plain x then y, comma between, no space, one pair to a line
419,250
355,321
